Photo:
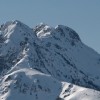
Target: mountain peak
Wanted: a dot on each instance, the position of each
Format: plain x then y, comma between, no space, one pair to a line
68,31
43,30
16,32
48,61
15,23
8,23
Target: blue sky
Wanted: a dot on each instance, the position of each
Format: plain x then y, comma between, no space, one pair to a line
81,15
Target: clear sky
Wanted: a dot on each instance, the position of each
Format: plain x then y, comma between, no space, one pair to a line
81,15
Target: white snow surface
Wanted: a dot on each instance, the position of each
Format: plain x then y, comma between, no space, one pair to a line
46,63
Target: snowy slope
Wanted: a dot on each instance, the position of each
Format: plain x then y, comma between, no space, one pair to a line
46,63
73,92
29,84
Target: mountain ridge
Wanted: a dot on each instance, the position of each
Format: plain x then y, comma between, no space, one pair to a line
57,52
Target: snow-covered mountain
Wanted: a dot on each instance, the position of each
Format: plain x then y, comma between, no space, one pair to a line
46,63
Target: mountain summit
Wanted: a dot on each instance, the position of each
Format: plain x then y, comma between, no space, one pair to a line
46,63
